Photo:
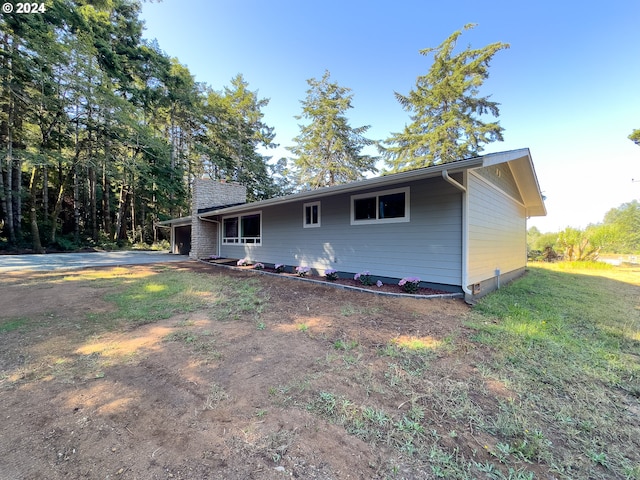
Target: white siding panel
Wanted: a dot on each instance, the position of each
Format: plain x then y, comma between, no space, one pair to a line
429,246
497,231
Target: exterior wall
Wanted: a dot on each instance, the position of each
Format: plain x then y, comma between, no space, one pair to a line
496,233
428,246
209,193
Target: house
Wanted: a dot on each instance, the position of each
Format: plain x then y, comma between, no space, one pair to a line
459,226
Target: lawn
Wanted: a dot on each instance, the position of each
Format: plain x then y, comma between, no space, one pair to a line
192,371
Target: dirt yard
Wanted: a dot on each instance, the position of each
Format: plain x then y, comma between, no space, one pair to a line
258,395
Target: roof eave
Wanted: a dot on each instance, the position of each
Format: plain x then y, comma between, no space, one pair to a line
525,174
428,172
176,221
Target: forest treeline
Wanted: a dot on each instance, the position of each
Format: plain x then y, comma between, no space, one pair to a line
101,133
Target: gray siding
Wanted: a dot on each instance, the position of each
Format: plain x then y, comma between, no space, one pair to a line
428,246
501,176
497,231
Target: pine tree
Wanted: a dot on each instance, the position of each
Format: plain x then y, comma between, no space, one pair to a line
446,109
328,150
233,137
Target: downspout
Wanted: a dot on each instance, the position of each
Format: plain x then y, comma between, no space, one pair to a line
465,231
217,229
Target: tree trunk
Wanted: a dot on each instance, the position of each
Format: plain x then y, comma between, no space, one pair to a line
93,203
9,191
56,212
76,205
106,207
8,195
63,180
17,198
3,202
35,231
8,185
132,197
106,185
45,190
122,201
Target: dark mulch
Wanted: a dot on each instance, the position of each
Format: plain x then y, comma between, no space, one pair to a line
348,282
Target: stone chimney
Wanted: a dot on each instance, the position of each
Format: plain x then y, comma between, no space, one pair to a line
208,194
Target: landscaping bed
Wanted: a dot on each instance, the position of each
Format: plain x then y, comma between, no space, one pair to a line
382,287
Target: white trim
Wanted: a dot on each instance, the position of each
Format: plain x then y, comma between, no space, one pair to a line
240,240
304,215
377,194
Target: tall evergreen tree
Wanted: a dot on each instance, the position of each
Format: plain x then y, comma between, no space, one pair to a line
101,133
328,150
234,136
446,110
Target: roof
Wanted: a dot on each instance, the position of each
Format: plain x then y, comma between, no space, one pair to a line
177,222
519,160
524,173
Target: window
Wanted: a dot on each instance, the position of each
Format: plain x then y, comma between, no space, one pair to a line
388,206
230,230
243,229
311,215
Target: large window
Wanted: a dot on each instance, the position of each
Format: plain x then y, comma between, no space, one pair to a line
242,229
311,215
388,206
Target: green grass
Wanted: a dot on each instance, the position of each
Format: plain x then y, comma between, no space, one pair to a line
554,393
566,339
12,324
149,299
239,298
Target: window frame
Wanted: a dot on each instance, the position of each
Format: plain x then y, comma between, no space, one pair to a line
377,195
304,215
241,239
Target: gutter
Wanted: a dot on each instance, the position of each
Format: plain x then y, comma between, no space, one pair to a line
465,229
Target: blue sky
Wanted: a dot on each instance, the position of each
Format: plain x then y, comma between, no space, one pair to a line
568,87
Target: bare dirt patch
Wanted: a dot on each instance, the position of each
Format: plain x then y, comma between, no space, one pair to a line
248,396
